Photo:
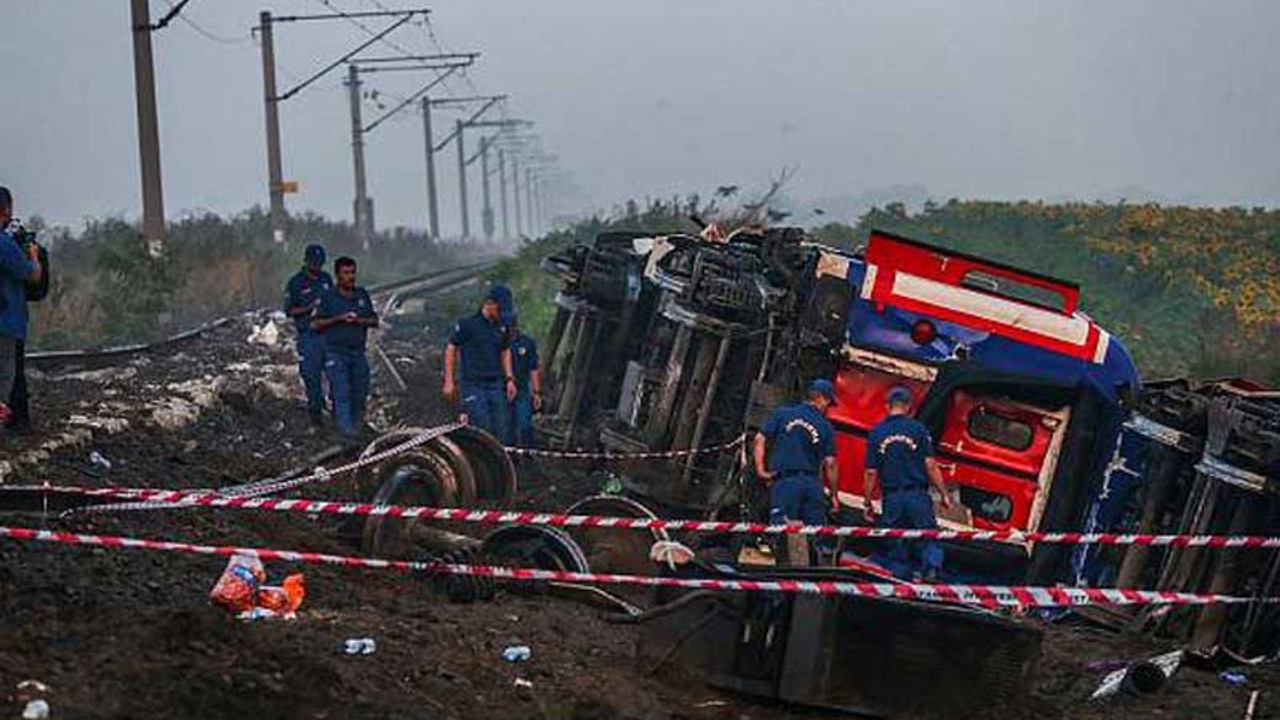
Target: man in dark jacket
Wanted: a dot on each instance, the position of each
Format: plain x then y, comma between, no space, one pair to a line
343,318
19,267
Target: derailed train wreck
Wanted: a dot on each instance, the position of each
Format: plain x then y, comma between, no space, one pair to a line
1039,416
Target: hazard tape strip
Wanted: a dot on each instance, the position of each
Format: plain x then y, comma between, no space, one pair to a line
166,499
987,596
649,455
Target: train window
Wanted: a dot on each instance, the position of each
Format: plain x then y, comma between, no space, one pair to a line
992,507
1015,290
1000,430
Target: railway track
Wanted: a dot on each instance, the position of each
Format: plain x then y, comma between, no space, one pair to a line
428,283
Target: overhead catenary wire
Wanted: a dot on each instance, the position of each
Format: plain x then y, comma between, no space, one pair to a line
175,11
365,28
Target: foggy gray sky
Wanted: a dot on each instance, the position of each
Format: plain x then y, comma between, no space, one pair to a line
969,98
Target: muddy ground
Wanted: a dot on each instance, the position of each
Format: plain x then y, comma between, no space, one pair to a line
130,634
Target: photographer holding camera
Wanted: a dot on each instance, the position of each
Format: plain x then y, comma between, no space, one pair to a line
20,271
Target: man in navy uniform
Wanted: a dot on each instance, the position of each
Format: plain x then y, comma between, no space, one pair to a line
488,378
343,318
524,361
804,450
301,297
900,458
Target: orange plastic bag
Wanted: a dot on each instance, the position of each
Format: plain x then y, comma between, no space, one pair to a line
285,598
237,588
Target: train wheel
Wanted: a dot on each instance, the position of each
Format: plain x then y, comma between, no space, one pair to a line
615,550
495,474
536,546
413,478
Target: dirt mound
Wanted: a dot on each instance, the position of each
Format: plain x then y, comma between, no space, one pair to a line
129,634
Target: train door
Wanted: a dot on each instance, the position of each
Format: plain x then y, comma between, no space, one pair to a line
1001,454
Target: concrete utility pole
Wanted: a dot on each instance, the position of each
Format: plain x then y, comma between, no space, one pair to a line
144,77
515,194
275,167
363,205
502,190
433,200
448,64
276,186
486,215
462,181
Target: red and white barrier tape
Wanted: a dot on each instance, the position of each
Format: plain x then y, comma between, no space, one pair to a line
164,499
648,455
987,596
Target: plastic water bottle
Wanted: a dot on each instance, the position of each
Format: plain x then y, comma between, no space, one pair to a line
361,646
517,653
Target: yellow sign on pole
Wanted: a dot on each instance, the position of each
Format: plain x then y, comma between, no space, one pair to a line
290,186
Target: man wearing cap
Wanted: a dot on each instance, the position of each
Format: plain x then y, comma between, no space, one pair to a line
343,318
301,297
900,458
803,450
488,381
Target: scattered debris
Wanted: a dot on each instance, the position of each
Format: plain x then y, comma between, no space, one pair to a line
1233,677
1253,704
517,653
99,460
670,552
267,334
36,710
261,613
285,598
1142,677
237,588
360,646
29,689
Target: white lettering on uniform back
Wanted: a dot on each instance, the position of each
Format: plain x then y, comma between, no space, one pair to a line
806,427
883,447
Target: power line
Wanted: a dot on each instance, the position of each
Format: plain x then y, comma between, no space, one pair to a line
201,30
440,47
365,28
175,13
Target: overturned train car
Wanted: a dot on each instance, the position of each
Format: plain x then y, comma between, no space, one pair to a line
1039,416
675,342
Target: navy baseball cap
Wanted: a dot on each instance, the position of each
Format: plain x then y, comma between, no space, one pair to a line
899,395
314,254
824,388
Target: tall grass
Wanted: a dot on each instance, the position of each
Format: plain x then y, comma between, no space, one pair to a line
107,290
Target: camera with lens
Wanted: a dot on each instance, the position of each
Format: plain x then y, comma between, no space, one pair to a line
26,238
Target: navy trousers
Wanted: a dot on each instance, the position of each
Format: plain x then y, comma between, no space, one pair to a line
797,498
520,421
487,406
311,351
348,372
911,510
